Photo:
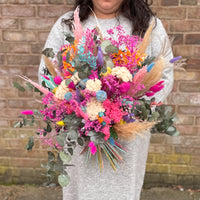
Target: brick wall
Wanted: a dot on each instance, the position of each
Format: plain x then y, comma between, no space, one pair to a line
24,26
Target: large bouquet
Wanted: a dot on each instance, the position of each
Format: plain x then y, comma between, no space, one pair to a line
95,95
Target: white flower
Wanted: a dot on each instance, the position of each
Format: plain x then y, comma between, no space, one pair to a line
93,85
122,73
75,78
93,108
61,90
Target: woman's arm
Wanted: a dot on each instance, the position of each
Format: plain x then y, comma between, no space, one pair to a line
160,44
55,40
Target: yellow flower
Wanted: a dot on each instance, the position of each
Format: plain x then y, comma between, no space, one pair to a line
109,71
60,123
122,122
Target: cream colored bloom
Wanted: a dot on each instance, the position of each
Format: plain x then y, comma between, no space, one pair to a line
93,108
75,78
122,73
61,90
93,85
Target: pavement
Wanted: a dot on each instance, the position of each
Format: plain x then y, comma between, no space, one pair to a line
33,192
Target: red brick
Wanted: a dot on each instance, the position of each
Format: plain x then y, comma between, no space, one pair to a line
190,87
52,11
17,1
186,150
192,39
43,36
194,99
189,110
193,64
15,103
196,51
4,161
11,93
23,60
170,12
178,98
194,12
184,50
39,23
189,2
187,76
14,47
4,82
71,2
188,130
198,121
4,123
2,59
185,26
3,1
37,48
36,1
155,148
20,36
8,23
22,162
195,160
169,2
3,103
177,38
19,11
55,1
185,120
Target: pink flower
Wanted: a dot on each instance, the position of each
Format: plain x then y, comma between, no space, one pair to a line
27,112
124,87
93,148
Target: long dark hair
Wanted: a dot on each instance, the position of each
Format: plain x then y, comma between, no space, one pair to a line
137,11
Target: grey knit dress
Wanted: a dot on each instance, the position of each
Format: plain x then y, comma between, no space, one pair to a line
87,182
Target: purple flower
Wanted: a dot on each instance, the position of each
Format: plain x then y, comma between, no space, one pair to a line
129,118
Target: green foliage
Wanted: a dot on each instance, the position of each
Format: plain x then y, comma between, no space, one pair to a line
166,120
69,38
18,86
111,49
63,180
48,52
30,144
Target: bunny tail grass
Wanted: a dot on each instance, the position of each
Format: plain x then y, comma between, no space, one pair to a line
146,40
130,130
50,66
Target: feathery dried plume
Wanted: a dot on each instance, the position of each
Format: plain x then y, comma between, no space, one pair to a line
130,130
50,66
146,40
78,30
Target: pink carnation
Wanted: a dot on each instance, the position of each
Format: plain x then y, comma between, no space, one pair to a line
93,148
27,112
124,87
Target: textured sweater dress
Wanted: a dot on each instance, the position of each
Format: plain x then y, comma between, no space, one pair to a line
87,182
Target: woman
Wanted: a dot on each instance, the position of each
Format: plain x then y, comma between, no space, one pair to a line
87,183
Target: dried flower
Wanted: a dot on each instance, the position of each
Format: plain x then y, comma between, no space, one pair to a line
93,85
122,73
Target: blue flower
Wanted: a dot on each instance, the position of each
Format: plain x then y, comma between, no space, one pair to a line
101,95
68,96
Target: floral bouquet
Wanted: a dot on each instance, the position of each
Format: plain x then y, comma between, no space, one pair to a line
95,95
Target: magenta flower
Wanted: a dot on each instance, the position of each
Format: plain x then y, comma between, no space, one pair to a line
93,148
27,112
124,87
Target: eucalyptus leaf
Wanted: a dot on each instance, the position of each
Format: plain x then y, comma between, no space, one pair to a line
29,86
63,180
154,116
68,81
111,49
18,86
61,140
16,124
80,141
104,44
72,135
64,157
48,52
69,38
70,150
30,144
51,156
